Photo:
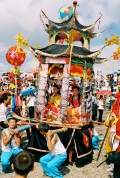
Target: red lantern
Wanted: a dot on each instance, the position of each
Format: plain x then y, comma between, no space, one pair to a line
40,59
15,56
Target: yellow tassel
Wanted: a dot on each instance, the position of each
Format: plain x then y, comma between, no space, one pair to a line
34,65
106,64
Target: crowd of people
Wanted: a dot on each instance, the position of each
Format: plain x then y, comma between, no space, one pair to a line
23,161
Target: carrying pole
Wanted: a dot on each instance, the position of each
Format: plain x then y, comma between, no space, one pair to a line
104,139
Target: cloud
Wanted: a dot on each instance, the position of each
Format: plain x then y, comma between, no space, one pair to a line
4,67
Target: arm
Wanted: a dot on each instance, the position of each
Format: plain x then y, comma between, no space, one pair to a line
10,112
17,140
117,136
7,139
18,117
5,122
51,140
27,100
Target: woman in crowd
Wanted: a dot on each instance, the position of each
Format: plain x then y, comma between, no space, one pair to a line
54,99
75,106
75,100
100,108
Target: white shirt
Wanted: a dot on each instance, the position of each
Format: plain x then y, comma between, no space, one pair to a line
31,101
58,148
100,104
3,109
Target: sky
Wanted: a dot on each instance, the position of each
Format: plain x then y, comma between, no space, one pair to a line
23,17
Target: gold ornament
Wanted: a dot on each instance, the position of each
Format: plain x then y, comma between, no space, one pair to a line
21,41
37,46
118,50
72,35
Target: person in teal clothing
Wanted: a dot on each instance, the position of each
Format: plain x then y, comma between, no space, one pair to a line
10,143
57,153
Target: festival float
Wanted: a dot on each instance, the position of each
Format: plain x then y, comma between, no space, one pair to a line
64,64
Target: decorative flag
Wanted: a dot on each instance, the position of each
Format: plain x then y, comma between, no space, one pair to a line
115,57
110,32
99,21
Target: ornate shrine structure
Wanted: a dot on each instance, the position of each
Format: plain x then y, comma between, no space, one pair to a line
76,61
69,61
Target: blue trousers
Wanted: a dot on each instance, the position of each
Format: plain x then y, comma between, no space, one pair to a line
51,163
5,158
95,140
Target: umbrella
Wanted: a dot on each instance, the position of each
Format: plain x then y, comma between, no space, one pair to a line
104,92
28,91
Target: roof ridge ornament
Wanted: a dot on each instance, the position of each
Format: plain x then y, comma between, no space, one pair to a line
74,11
43,15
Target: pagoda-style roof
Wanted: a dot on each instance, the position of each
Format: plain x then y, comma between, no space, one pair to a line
57,50
61,31
71,23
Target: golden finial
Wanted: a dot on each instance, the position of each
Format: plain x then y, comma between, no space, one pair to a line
37,46
21,41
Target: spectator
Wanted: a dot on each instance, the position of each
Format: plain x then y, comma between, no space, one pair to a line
100,108
10,143
23,163
30,104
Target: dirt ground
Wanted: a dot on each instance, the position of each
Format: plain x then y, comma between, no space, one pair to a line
87,171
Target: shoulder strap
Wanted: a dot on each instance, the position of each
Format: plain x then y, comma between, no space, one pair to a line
6,131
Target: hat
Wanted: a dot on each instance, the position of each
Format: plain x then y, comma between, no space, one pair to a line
10,117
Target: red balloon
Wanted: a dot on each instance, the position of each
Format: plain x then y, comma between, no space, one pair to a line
15,56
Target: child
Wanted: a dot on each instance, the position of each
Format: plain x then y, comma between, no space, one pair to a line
51,161
23,163
10,143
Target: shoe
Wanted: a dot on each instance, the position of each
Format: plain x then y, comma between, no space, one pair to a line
110,165
110,168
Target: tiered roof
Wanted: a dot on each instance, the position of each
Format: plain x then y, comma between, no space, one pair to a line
61,30
57,50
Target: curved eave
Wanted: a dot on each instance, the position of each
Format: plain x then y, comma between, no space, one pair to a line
94,35
101,60
71,23
91,28
90,35
92,55
64,50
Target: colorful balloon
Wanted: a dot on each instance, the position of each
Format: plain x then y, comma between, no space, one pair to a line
15,56
65,13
